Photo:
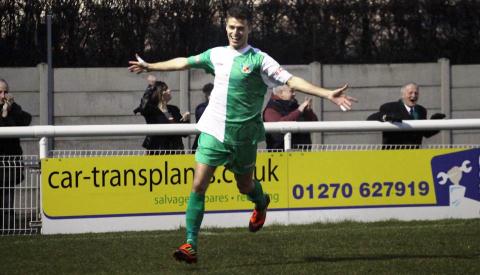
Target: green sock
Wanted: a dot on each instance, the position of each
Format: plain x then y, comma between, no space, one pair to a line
257,195
194,217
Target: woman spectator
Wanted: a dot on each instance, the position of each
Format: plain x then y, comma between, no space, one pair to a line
155,109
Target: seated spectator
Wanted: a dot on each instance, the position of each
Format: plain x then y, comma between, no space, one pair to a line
155,109
283,106
207,90
406,108
11,169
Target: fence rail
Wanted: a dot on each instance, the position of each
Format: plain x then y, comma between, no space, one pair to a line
273,127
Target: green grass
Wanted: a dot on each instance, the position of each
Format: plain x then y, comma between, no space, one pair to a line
391,247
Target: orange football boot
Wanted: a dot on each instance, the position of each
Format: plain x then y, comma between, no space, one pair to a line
259,216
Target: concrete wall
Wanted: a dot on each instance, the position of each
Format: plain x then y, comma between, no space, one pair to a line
109,95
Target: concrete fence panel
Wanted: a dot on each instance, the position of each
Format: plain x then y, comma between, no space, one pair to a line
84,96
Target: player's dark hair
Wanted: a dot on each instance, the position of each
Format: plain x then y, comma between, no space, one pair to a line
239,12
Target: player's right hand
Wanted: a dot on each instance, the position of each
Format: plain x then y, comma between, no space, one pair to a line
138,66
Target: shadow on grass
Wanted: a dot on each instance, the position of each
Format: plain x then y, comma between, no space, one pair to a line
389,257
195,267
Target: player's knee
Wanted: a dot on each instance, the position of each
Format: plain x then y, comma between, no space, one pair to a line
199,187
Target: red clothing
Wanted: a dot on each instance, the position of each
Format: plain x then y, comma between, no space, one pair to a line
278,109
272,115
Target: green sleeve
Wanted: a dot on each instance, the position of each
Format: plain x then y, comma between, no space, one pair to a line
202,61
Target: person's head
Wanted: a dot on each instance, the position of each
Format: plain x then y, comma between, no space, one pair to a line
238,27
207,90
284,92
162,93
3,89
410,94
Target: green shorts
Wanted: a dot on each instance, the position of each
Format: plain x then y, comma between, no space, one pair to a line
240,159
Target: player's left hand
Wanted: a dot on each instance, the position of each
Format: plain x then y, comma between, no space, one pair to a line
339,98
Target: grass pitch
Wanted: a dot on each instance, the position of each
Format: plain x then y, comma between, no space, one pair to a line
391,247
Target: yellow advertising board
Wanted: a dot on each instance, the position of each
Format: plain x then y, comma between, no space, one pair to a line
139,185
133,185
335,179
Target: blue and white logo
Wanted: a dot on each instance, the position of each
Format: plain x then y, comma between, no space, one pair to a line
457,178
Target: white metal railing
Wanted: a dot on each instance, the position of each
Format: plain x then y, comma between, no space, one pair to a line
273,127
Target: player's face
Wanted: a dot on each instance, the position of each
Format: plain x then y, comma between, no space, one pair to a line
410,95
237,32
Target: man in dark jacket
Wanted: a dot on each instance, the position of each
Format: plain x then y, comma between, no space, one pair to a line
283,106
404,109
11,166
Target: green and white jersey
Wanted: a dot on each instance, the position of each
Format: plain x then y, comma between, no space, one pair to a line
233,114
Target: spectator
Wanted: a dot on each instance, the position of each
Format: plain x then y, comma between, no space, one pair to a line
151,79
283,106
404,109
155,109
11,169
207,90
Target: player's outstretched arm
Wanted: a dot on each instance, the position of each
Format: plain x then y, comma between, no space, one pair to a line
337,96
175,64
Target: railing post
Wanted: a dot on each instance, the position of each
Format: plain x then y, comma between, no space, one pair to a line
445,96
43,148
43,92
318,103
43,153
45,97
287,141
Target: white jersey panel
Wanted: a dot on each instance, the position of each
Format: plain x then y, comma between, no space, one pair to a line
213,120
214,117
